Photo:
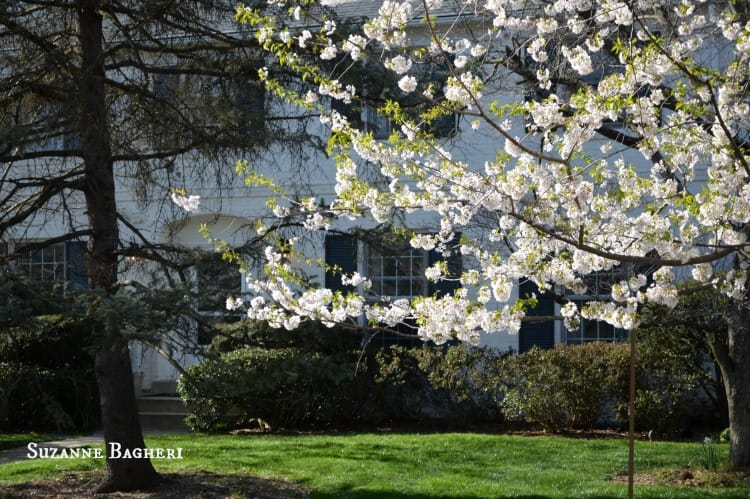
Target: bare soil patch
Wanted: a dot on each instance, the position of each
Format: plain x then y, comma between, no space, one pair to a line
173,486
689,477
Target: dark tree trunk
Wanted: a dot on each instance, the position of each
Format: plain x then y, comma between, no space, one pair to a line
112,359
120,420
735,369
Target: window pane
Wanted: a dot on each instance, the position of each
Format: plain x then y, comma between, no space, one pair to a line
389,267
404,268
375,266
574,335
35,272
606,331
590,329
418,265
217,279
389,288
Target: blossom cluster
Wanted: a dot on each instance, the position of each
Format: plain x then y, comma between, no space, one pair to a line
624,150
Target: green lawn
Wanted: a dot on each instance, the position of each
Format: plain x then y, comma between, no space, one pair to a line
419,466
11,440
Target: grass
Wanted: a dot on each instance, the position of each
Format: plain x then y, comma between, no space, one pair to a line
11,440
419,466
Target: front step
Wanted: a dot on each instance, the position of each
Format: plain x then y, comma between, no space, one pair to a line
158,387
167,421
162,413
166,404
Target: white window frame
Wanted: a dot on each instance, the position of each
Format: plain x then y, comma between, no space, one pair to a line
25,263
580,300
379,279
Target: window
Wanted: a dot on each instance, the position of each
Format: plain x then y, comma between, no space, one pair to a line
46,264
215,280
232,105
72,141
395,269
249,99
541,333
366,118
599,287
594,331
379,85
433,73
60,263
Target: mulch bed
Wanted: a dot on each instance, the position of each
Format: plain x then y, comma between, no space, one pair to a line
689,477
174,486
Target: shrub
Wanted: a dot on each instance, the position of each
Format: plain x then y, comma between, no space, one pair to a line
51,341
46,376
284,387
321,377
455,384
308,337
307,377
41,399
564,387
583,386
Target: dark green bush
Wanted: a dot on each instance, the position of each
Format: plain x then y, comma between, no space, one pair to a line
52,341
564,387
47,378
455,384
308,337
301,378
284,387
321,377
584,386
318,376
42,399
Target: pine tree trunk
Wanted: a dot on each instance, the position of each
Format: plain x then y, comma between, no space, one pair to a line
112,359
120,421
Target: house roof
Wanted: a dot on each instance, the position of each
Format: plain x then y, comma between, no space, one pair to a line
358,10
353,9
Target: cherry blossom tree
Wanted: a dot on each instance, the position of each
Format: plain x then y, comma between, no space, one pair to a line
619,133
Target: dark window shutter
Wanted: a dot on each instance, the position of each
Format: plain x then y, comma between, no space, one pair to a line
250,101
439,70
341,257
455,264
78,276
351,111
165,84
444,126
541,334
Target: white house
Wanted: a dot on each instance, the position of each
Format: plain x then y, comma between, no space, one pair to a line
232,214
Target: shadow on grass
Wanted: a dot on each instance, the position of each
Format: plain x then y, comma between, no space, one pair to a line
641,494
199,484
392,495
